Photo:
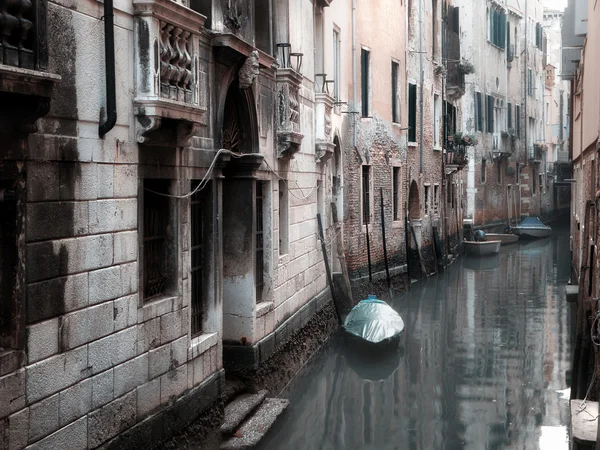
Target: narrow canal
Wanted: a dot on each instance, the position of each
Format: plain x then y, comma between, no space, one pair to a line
483,365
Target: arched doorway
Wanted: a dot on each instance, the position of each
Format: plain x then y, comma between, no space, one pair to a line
244,207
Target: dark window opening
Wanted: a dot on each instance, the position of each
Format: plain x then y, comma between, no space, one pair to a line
366,194
8,266
499,171
435,198
396,191
490,113
155,238
260,241
262,28
509,116
530,82
427,201
534,182
479,111
483,164
395,99
453,195
518,120
412,113
200,215
365,60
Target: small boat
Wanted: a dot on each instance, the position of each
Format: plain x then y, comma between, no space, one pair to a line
482,248
373,321
532,228
504,238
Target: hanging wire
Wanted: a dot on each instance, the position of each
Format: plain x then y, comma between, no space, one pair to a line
206,178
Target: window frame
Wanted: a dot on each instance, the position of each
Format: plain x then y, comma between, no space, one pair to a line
366,210
396,116
365,82
412,112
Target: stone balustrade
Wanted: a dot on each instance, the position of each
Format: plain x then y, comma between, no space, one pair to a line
171,77
23,34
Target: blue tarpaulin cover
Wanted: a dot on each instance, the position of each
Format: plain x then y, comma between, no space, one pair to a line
531,222
374,321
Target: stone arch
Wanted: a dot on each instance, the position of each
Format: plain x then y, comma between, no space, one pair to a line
414,205
337,166
237,117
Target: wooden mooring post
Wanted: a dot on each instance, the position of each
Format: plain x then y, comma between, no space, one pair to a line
328,270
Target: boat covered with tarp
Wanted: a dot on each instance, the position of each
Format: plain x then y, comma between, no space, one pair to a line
532,227
374,321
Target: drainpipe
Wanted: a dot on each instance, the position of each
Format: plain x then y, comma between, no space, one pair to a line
354,112
109,56
526,86
421,82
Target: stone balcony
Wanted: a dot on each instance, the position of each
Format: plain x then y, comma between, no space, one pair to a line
25,85
289,135
323,140
171,78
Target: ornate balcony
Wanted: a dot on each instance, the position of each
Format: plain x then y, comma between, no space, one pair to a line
25,85
289,136
324,143
535,153
171,78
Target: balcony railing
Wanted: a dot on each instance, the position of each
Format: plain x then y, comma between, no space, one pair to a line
171,81
535,153
23,34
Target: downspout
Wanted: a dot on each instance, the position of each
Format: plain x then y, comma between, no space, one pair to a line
421,82
355,111
526,86
109,56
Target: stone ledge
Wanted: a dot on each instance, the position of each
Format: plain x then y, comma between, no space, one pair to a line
200,344
238,357
168,422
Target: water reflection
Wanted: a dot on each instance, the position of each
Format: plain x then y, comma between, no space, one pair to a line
484,353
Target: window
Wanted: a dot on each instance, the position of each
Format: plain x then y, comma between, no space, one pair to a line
437,111
541,181
9,269
336,65
427,201
516,43
436,193
412,113
448,191
157,269
529,82
199,212
453,195
483,164
518,120
262,17
490,113
283,218
434,28
478,111
259,266
396,191
538,35
509,116
533,180
365,61
547,113
497,28
499,171
366,194
395,91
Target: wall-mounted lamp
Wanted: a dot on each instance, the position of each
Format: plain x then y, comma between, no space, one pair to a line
327,83
283,53
298,65
320,81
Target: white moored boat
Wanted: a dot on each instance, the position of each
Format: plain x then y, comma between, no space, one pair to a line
532,227
482,248
504,238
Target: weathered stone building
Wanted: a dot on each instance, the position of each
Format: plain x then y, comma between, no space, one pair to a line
581,65
556,113
138,259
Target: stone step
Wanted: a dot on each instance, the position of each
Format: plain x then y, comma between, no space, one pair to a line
232,389
239,409
257,426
